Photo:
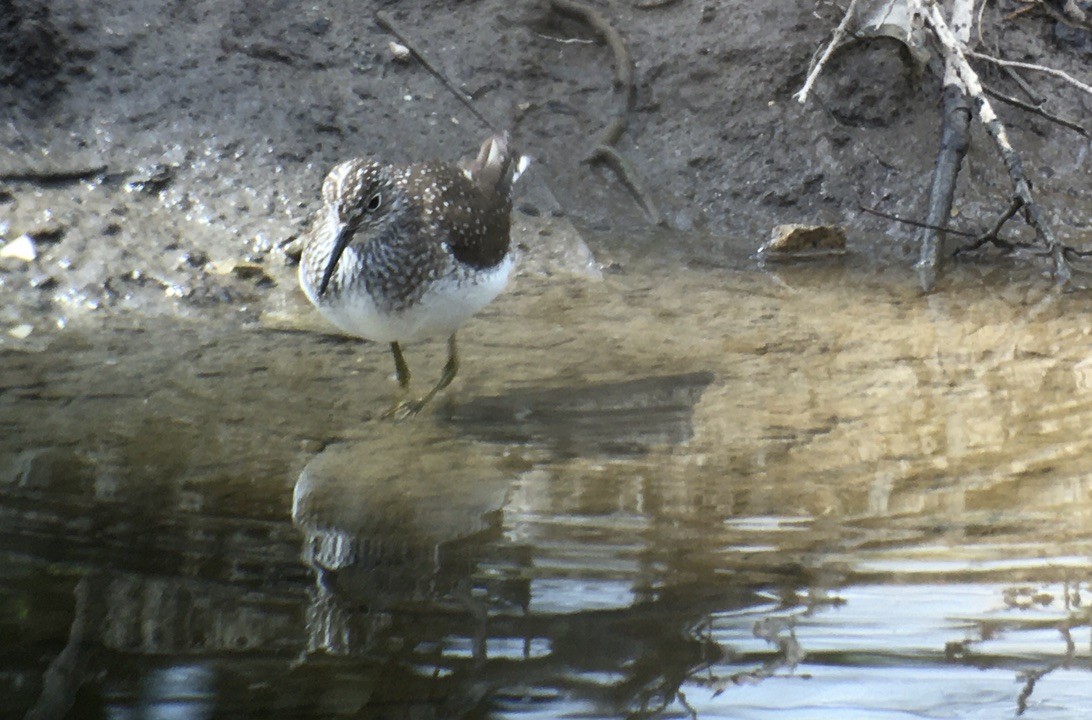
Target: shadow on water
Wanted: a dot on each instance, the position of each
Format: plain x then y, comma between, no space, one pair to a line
712,495
620,418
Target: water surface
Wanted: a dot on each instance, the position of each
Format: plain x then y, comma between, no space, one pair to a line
677,491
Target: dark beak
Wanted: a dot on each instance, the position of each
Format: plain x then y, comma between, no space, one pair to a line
344,234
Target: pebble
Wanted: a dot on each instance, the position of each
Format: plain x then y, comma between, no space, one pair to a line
21,332
399,51
797,241
21,248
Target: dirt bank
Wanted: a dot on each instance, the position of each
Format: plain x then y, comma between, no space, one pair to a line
159,153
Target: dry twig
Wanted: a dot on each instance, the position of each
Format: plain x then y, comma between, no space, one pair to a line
992,235
839,33
914,223
54,176
1083,87
384,20
1034,109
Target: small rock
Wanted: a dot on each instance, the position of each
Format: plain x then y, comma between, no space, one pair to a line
399,52
21,332
249,271
219,267
261,244
319,26
682,221
242,270
798,241
21,248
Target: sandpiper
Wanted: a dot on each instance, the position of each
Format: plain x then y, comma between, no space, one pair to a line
398,253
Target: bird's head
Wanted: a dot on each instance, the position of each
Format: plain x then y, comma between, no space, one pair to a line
360,198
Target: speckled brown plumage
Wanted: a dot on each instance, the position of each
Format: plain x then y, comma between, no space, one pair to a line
402,252
429,214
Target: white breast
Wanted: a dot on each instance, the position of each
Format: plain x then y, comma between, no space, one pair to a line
447,303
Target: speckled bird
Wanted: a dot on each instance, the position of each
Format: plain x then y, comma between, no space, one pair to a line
398,253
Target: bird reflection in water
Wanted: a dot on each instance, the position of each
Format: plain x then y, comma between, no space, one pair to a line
418,565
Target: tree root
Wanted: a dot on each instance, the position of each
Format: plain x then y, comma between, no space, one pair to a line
603,149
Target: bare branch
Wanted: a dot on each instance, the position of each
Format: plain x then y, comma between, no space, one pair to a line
839,32
953,51
955,139
1034,109
1032,66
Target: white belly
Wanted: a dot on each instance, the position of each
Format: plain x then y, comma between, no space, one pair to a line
443,308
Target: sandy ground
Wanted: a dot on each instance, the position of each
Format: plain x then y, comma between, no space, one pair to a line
160,154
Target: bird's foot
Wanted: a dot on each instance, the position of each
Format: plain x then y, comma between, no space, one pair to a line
402,410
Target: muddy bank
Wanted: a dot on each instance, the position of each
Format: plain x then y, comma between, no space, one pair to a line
160,154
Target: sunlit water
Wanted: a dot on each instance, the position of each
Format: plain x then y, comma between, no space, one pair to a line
676,492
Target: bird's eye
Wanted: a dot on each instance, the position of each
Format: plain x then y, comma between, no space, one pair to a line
374,203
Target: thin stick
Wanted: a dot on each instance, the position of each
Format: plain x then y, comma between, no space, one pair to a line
1032,66
54,176
1023,85
981,12
385,22
915,223
654,4
1017,13
1008,99
839,32
991,236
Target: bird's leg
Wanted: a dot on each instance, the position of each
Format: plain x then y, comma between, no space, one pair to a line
451,367
397,410
400,366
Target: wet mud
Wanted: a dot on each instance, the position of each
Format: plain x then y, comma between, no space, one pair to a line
162,155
